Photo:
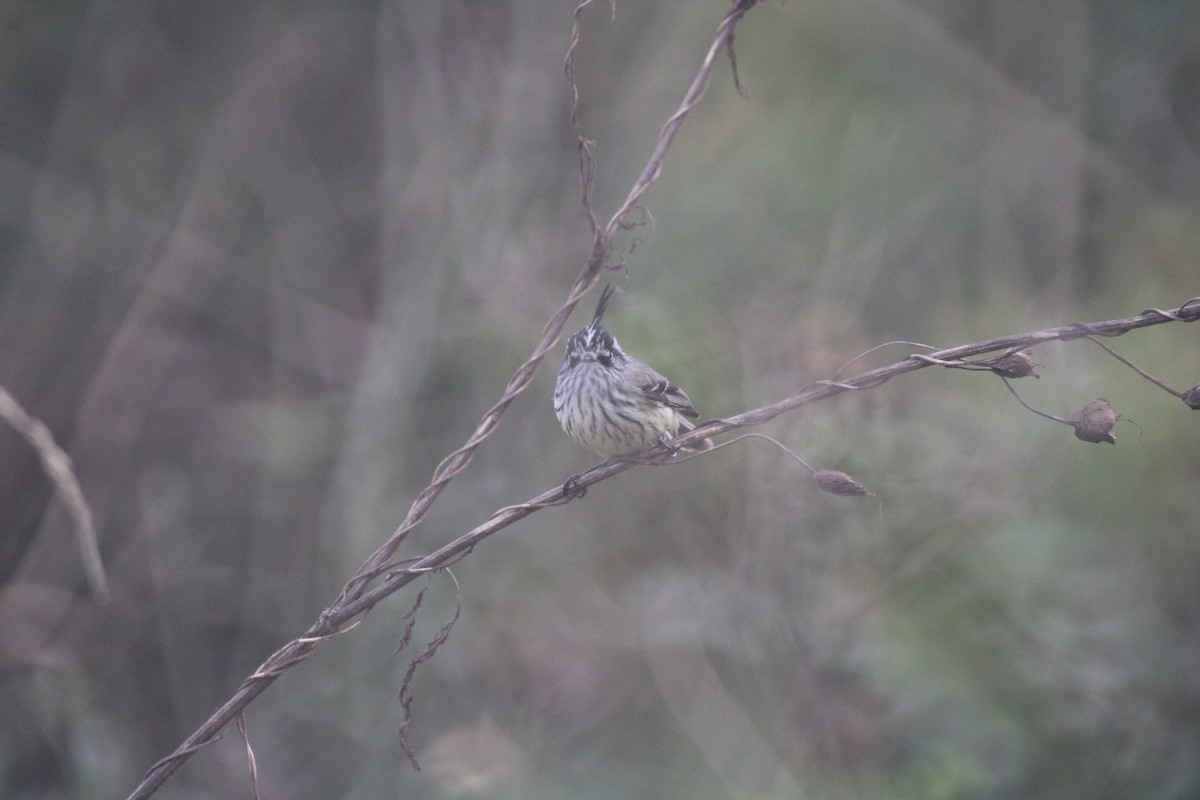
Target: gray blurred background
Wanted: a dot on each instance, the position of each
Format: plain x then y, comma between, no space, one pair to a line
263,264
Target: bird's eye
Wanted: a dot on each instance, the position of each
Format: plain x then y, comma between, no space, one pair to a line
605,358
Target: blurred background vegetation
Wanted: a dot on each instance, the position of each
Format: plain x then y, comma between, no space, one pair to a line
263,264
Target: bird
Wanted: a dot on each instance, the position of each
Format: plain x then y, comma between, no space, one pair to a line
613,404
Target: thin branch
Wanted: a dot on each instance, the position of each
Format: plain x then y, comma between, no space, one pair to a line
460,459
875,349
1188,312
827,480
352,594
1133,366
585,145
1020,400
695,93
251,761
812,393
59,468
967,365
406,692
331,621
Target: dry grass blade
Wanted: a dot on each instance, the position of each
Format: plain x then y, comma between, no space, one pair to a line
61,472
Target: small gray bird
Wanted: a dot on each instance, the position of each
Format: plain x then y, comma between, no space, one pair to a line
610,402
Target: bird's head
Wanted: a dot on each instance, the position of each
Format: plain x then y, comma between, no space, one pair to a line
593,342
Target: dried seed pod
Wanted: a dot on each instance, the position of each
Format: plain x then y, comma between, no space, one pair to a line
1094,422
1014,365
834,482
1192,397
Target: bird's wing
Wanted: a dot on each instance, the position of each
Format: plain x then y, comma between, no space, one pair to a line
661,390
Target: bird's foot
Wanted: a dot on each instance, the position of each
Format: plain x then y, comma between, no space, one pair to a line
571,487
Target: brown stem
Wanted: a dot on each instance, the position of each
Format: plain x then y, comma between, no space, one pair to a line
330,623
